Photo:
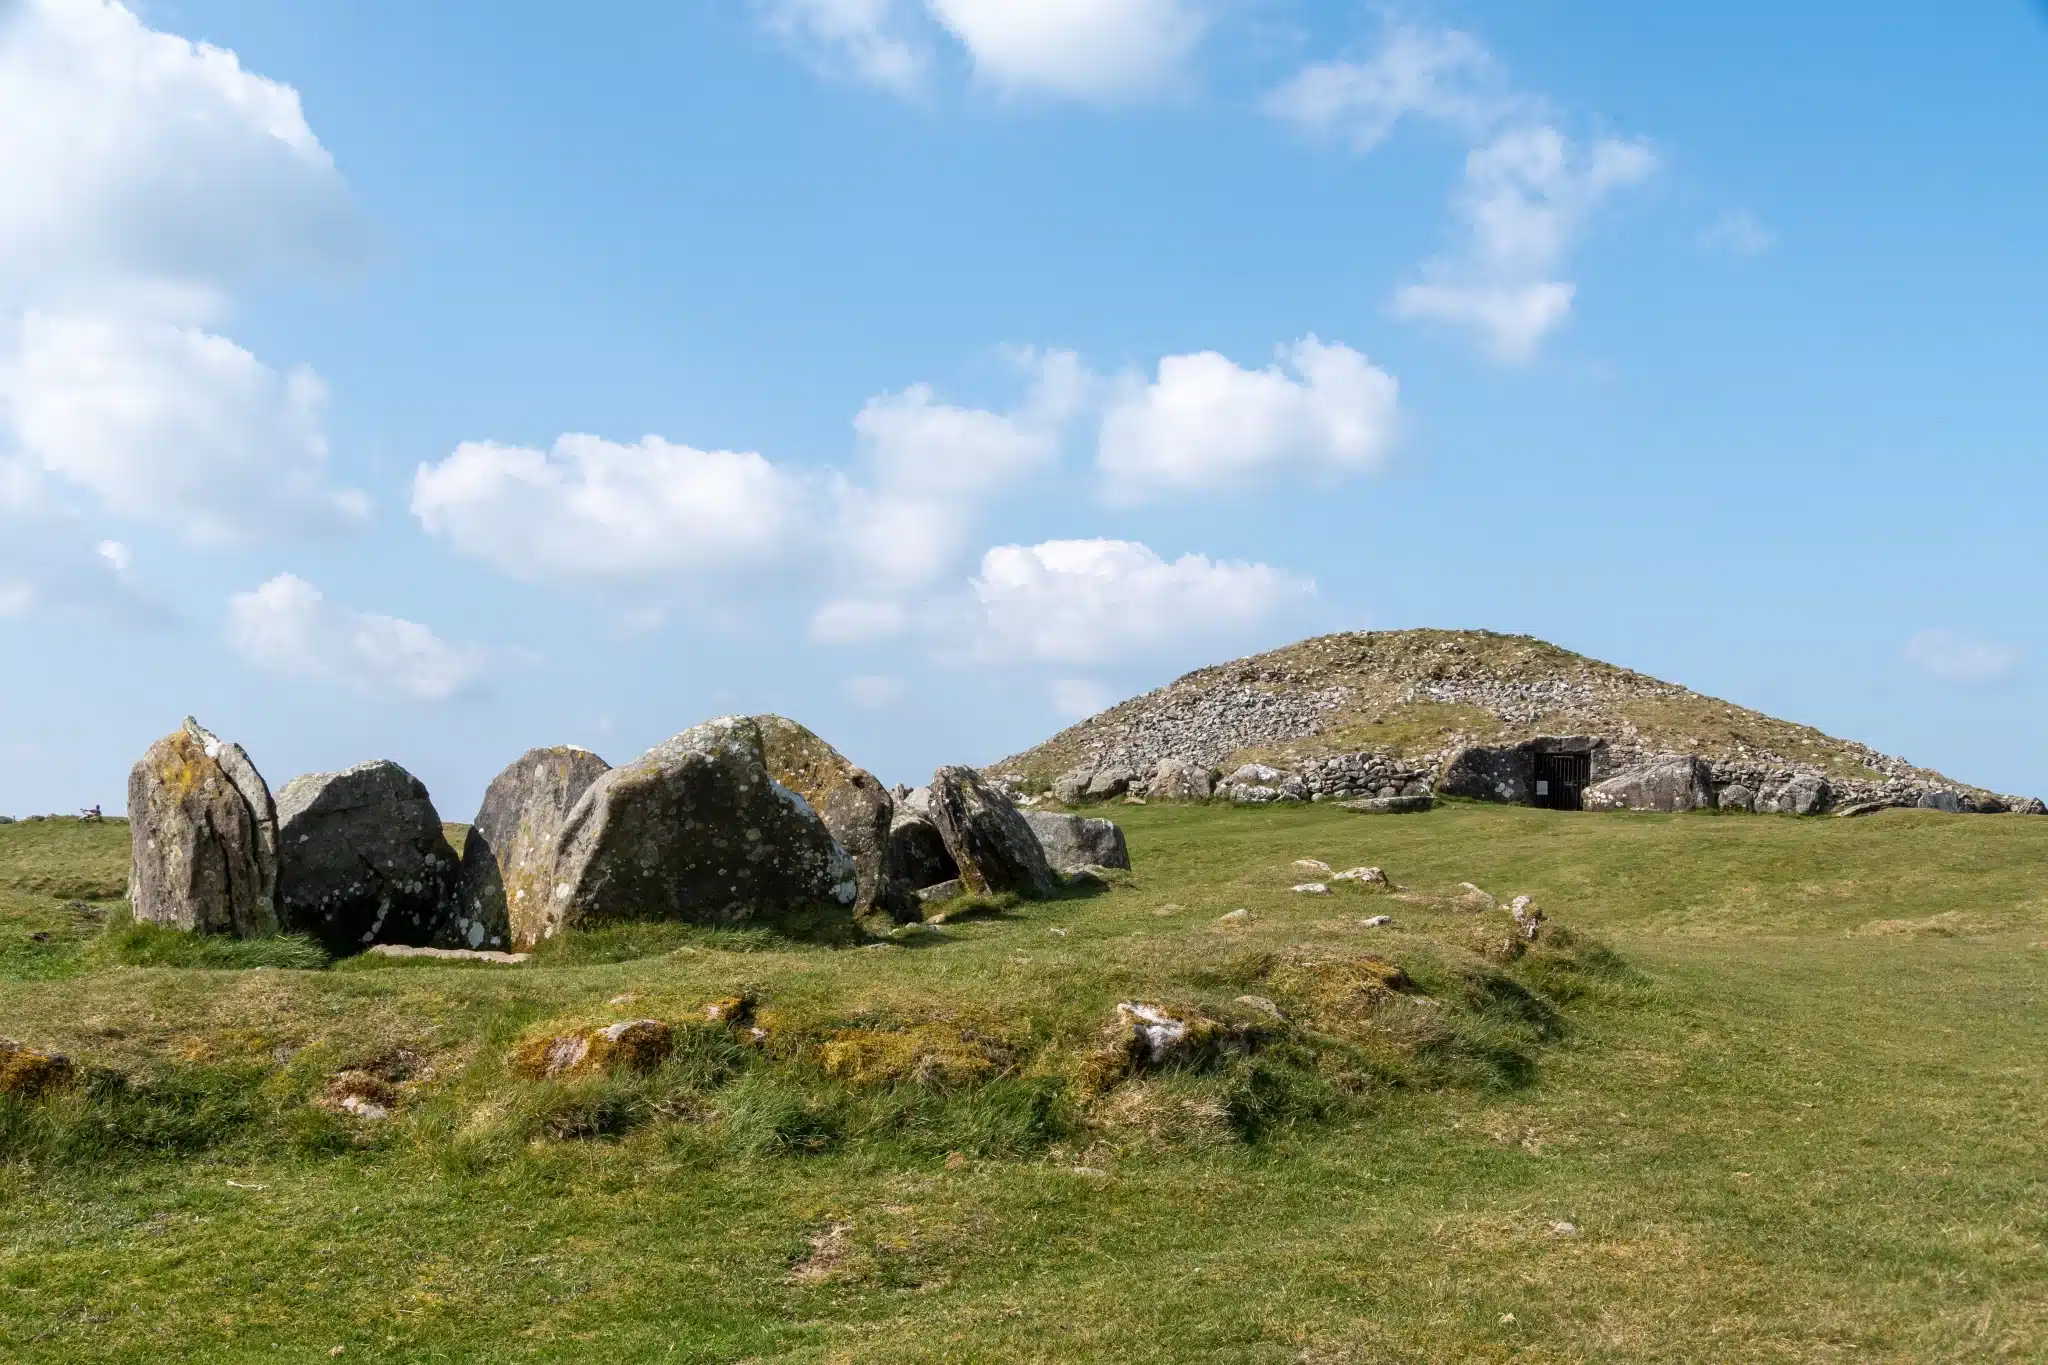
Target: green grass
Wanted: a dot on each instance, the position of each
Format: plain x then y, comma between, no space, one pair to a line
1787,1079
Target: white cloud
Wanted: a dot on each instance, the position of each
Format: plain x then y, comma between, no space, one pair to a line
872,40
1525,198
137,156
48,563
1080,698
1738,232
1206,423
854,620
1442,75
930,468
590,511
1094,601
874,692
288,629
174,425
1954,657
1097,50
146,177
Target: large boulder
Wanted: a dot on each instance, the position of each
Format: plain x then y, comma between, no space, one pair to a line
362,859
508,865
1070,788
855,807
1176,779
203,838
917,857
1803,794
1072,842
987,835
696,830
1673,783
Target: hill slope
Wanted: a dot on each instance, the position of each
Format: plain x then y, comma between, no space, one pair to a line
1420,696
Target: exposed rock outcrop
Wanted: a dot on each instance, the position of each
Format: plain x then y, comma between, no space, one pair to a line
697,830
856,808
1176,779
508,865
1072,842
987,836
362,859
1674,783
203,834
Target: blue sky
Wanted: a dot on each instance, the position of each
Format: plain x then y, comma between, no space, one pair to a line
432,382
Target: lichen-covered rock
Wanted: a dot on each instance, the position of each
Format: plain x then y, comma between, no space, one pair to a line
1177,779
988,837
1070,788
203,838
1735,796
1110,783
1391,805
696,830
1804,794
856,808
2028,805
508,865
1949,802
362,859
26,1074
638,1045
1673,783
917,857
1075,841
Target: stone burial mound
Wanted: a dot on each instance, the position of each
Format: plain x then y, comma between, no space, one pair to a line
738,820
1386,721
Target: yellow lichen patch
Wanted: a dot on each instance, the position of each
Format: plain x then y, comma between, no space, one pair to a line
26,1074
638,1045
179,764
1338,989
922,1054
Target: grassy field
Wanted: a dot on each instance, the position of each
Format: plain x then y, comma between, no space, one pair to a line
1785,1081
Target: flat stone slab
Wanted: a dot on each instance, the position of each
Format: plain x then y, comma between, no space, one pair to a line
1390,805
449,954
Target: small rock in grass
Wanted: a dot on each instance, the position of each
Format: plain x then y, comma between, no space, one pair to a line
1528,916
1092,1172
1377,922
1312,889
1474,898
1312,865
1261,1004
1061,933
1238,916
640,1044
1364,876
367,1110
943,892
1564,1229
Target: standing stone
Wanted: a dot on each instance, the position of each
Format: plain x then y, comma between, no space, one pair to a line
1176,779
696,830
362,860
987,836
203,838
1676,783
508,865
917,858
855,807
1072,842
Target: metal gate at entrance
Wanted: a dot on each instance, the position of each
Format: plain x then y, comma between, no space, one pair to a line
1562,779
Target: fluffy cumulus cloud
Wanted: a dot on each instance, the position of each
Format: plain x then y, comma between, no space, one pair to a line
876,41
1100,51
1526,195
136,159
176,425
1524,201
1955,657
147,178
288,629
1091,602
1444,75
594,512
1207,423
